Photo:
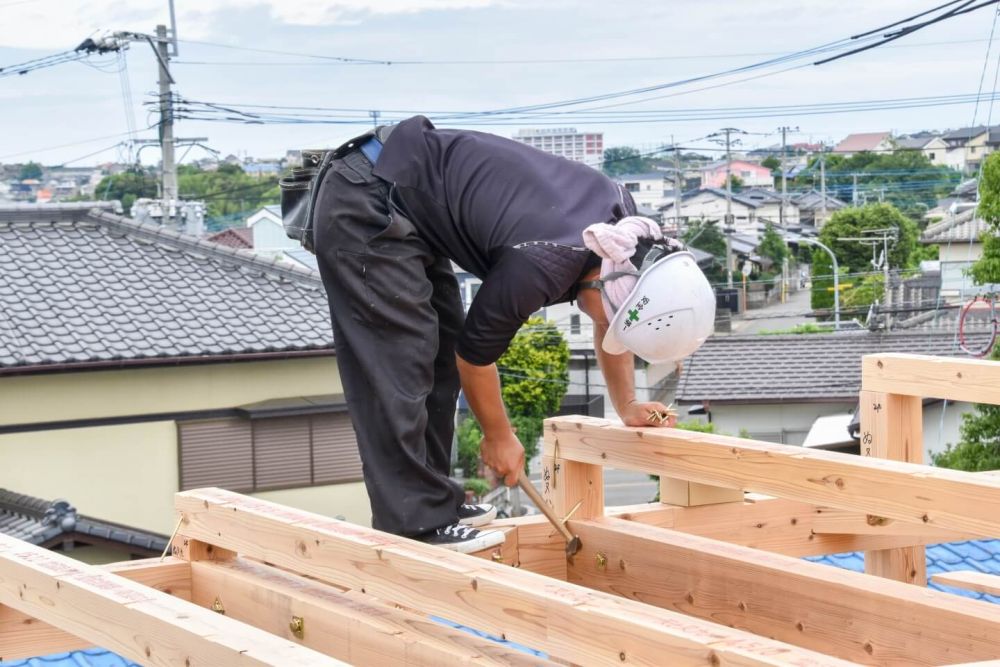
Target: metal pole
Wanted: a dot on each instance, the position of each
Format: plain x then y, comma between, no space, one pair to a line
854,190
729,224
169,168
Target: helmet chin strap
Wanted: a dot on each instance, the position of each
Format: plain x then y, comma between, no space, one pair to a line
599,285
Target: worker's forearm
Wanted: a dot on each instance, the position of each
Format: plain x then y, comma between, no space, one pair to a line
481,385
618,371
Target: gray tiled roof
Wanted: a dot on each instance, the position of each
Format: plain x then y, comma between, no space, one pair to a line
84,285
807,367
44,522
966,226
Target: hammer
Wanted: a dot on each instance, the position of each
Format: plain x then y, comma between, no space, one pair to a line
572,541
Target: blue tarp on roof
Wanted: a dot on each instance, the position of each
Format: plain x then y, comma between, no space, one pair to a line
978,556
88,658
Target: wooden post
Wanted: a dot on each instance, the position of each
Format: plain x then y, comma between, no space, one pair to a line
892,428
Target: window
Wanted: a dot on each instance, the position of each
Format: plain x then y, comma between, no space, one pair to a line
930,156
469,290
632,187
574,324
246,454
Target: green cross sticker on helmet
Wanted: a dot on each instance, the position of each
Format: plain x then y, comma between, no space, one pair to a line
678,307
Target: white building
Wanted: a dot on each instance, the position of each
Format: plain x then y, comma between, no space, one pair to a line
958,238
750,208
268,233
586,147
652,189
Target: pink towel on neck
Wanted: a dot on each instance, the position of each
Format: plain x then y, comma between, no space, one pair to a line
616,244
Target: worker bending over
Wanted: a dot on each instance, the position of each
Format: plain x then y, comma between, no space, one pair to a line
390,211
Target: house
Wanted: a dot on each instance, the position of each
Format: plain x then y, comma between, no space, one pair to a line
864,141
651,189
750,174
133,354
775,387
967,146
57,524
269,237
958,240
814,209
751,208
233,237
933,147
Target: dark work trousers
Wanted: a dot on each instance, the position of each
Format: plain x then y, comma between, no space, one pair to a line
396,314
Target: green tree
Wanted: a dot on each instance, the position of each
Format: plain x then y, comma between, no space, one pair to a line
227,191
822,280
771,162
534,372
621,160
705,235
736,183
906,179
851,222
866,291
772,246
126,187
30,170
979,446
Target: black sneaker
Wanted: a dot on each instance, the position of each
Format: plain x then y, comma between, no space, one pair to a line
463,539
476,515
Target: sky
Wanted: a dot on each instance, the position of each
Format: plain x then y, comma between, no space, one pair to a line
475,56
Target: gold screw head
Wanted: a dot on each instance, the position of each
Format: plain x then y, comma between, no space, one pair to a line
497,556
601,560
218,607
298,626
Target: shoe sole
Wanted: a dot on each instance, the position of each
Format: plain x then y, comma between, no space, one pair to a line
481,519
485,540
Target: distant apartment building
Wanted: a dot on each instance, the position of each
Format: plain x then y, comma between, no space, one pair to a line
586,147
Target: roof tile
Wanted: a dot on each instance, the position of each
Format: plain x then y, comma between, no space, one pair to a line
94,286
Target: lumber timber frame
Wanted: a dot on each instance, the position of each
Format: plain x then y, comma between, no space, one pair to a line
716,578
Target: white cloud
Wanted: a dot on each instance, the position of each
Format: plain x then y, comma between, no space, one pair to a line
62,24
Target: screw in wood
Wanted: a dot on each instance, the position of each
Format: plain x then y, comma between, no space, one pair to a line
601,560
218,607
298,626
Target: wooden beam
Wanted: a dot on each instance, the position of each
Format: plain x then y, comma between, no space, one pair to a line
567,622
953,378
787,527
846,614
22,636
506,553
540,549
892,427
690,494
969,580
349,626
948,499
571,486
137,622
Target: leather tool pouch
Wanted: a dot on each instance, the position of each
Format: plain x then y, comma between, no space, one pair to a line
298,196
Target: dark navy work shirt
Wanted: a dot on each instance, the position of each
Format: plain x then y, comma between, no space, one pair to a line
508,213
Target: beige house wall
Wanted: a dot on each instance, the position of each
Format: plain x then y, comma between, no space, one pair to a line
29,399
128,473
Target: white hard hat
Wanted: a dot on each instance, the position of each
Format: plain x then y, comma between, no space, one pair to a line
667,315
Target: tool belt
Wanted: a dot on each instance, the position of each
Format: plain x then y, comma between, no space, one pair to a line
299,189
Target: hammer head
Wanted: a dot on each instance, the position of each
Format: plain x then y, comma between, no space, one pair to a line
573,546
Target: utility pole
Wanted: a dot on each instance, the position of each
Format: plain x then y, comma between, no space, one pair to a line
677,186
822,182
784,129
729,224
374,115
854,190
169,168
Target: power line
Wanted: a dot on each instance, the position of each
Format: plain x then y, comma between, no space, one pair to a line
326,60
